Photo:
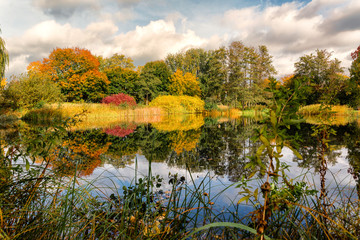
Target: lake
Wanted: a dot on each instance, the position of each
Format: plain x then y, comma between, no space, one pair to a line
192,150
198,146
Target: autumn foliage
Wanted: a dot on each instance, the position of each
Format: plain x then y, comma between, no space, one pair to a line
76,71
120,131
119,99
184,84
179,104
77,154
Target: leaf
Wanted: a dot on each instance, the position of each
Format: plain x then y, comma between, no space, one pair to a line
245,198
224,224
260,150
273,118
256,193
27,165
297,154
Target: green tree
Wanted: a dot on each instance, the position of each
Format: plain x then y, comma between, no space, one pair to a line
116,60
213,76
30,90
355,65
247,69
153,81
321,75
122,80
352,89
4,58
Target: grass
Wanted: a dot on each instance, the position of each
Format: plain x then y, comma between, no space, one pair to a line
94,115
317,109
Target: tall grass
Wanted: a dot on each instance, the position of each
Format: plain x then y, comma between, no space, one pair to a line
317,109
94,115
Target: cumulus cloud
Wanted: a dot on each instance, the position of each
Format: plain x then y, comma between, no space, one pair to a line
146,43
294,29
155,41
289,31
346,18
37,42
65,8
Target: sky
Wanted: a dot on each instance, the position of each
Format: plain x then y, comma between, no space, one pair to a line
150,30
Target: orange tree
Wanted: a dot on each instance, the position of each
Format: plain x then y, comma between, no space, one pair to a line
76,71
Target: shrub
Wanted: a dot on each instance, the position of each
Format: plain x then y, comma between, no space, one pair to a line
179,104
211,106
29,91
119,99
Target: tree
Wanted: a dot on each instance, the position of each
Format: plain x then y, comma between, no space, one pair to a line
122,80
30,90
153,81
248,67
4,58
213,75
116,60
355,65
77,73
321,75
352,89
184,84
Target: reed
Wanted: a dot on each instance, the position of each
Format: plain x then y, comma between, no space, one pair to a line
94,115
317,109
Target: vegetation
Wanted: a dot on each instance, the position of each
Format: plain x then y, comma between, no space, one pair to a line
43,194
30,91
76,71
318,109
4,59
179,104
119,99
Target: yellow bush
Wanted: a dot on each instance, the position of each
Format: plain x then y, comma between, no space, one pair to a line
180,122
179,104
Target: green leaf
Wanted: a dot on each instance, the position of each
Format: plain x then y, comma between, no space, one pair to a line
245,198
27,165
224,224
260,150
296,153
256,192
273,118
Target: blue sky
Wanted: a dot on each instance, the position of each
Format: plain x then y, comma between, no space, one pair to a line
149,30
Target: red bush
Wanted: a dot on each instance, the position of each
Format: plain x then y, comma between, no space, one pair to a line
118,99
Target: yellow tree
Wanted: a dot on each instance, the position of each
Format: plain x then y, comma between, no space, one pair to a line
2,83
184,84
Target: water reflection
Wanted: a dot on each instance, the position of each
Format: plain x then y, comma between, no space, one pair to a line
188,142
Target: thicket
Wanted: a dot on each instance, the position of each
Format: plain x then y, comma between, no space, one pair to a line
120,99
29,91
179,104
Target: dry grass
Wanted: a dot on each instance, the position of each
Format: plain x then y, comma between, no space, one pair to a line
316,109
337,120
97,115
224,112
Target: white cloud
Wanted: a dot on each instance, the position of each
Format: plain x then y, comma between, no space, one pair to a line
292,29
156,40
151,42
289,30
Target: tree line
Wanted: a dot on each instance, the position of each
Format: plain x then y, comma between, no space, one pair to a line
237,75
